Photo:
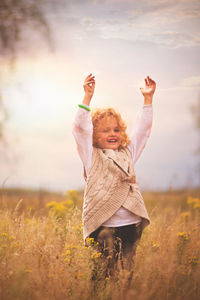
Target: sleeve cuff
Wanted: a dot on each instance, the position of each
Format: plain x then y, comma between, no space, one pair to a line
147,105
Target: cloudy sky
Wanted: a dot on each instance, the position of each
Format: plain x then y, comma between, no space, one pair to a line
120,42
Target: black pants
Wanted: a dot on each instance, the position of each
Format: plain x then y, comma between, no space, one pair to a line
118,246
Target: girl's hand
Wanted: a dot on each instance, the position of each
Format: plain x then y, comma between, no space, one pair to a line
89,85
148,90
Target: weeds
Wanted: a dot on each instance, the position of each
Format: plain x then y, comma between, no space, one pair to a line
42,254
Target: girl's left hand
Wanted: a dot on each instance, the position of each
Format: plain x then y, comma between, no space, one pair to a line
149,88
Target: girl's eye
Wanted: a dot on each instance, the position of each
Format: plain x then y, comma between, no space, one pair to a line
116,130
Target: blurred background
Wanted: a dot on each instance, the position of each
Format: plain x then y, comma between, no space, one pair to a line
48,47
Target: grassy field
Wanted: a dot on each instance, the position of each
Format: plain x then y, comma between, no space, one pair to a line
42,255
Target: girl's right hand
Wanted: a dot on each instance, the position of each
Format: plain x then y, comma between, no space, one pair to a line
89,85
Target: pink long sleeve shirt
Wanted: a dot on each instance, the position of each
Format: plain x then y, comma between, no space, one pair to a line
83,131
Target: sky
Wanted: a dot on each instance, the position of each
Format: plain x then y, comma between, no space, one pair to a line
120,42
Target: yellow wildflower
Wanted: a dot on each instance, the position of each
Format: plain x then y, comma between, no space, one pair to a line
67,260
185,216
51,204
71,247
197,205
27,271
61,209
96,255
184,236
69,203
68,252
193,202
4,234
193,260
155,245
90,241
80,275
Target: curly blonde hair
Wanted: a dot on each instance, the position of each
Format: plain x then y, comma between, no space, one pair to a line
101,113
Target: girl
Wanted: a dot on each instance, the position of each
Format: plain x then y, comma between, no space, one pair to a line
114,214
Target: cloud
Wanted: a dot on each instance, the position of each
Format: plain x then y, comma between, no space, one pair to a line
177,39
167,10
166,23
170,10
191,82
130,30
142,33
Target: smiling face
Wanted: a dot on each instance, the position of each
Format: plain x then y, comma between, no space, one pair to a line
107,134
109,130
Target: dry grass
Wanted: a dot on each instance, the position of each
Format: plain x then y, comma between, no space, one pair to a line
42,255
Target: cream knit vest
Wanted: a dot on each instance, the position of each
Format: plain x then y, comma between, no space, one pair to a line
110,185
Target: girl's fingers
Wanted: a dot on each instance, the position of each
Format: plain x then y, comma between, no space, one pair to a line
89,76
89,79
151,80
88,82
89,85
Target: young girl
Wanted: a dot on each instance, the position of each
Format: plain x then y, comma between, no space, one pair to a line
114,214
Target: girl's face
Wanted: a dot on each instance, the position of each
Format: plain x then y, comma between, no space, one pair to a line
108,134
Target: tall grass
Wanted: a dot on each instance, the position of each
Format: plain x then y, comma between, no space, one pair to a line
42,254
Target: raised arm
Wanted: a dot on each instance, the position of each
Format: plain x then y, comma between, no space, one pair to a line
89,86
148,90
142,128
82,126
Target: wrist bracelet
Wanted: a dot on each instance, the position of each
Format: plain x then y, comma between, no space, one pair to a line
85,107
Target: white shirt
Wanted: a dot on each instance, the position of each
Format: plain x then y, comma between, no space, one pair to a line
83,131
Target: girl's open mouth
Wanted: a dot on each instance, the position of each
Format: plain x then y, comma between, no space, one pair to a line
112,141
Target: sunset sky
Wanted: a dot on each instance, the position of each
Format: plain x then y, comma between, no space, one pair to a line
120,42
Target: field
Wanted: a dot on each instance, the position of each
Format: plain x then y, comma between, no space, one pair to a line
42,254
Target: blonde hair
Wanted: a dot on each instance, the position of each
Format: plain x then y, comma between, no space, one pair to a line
101,113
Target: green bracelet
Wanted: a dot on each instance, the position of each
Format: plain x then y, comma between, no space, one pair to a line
85,107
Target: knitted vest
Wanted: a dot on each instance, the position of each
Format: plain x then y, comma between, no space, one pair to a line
110,185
